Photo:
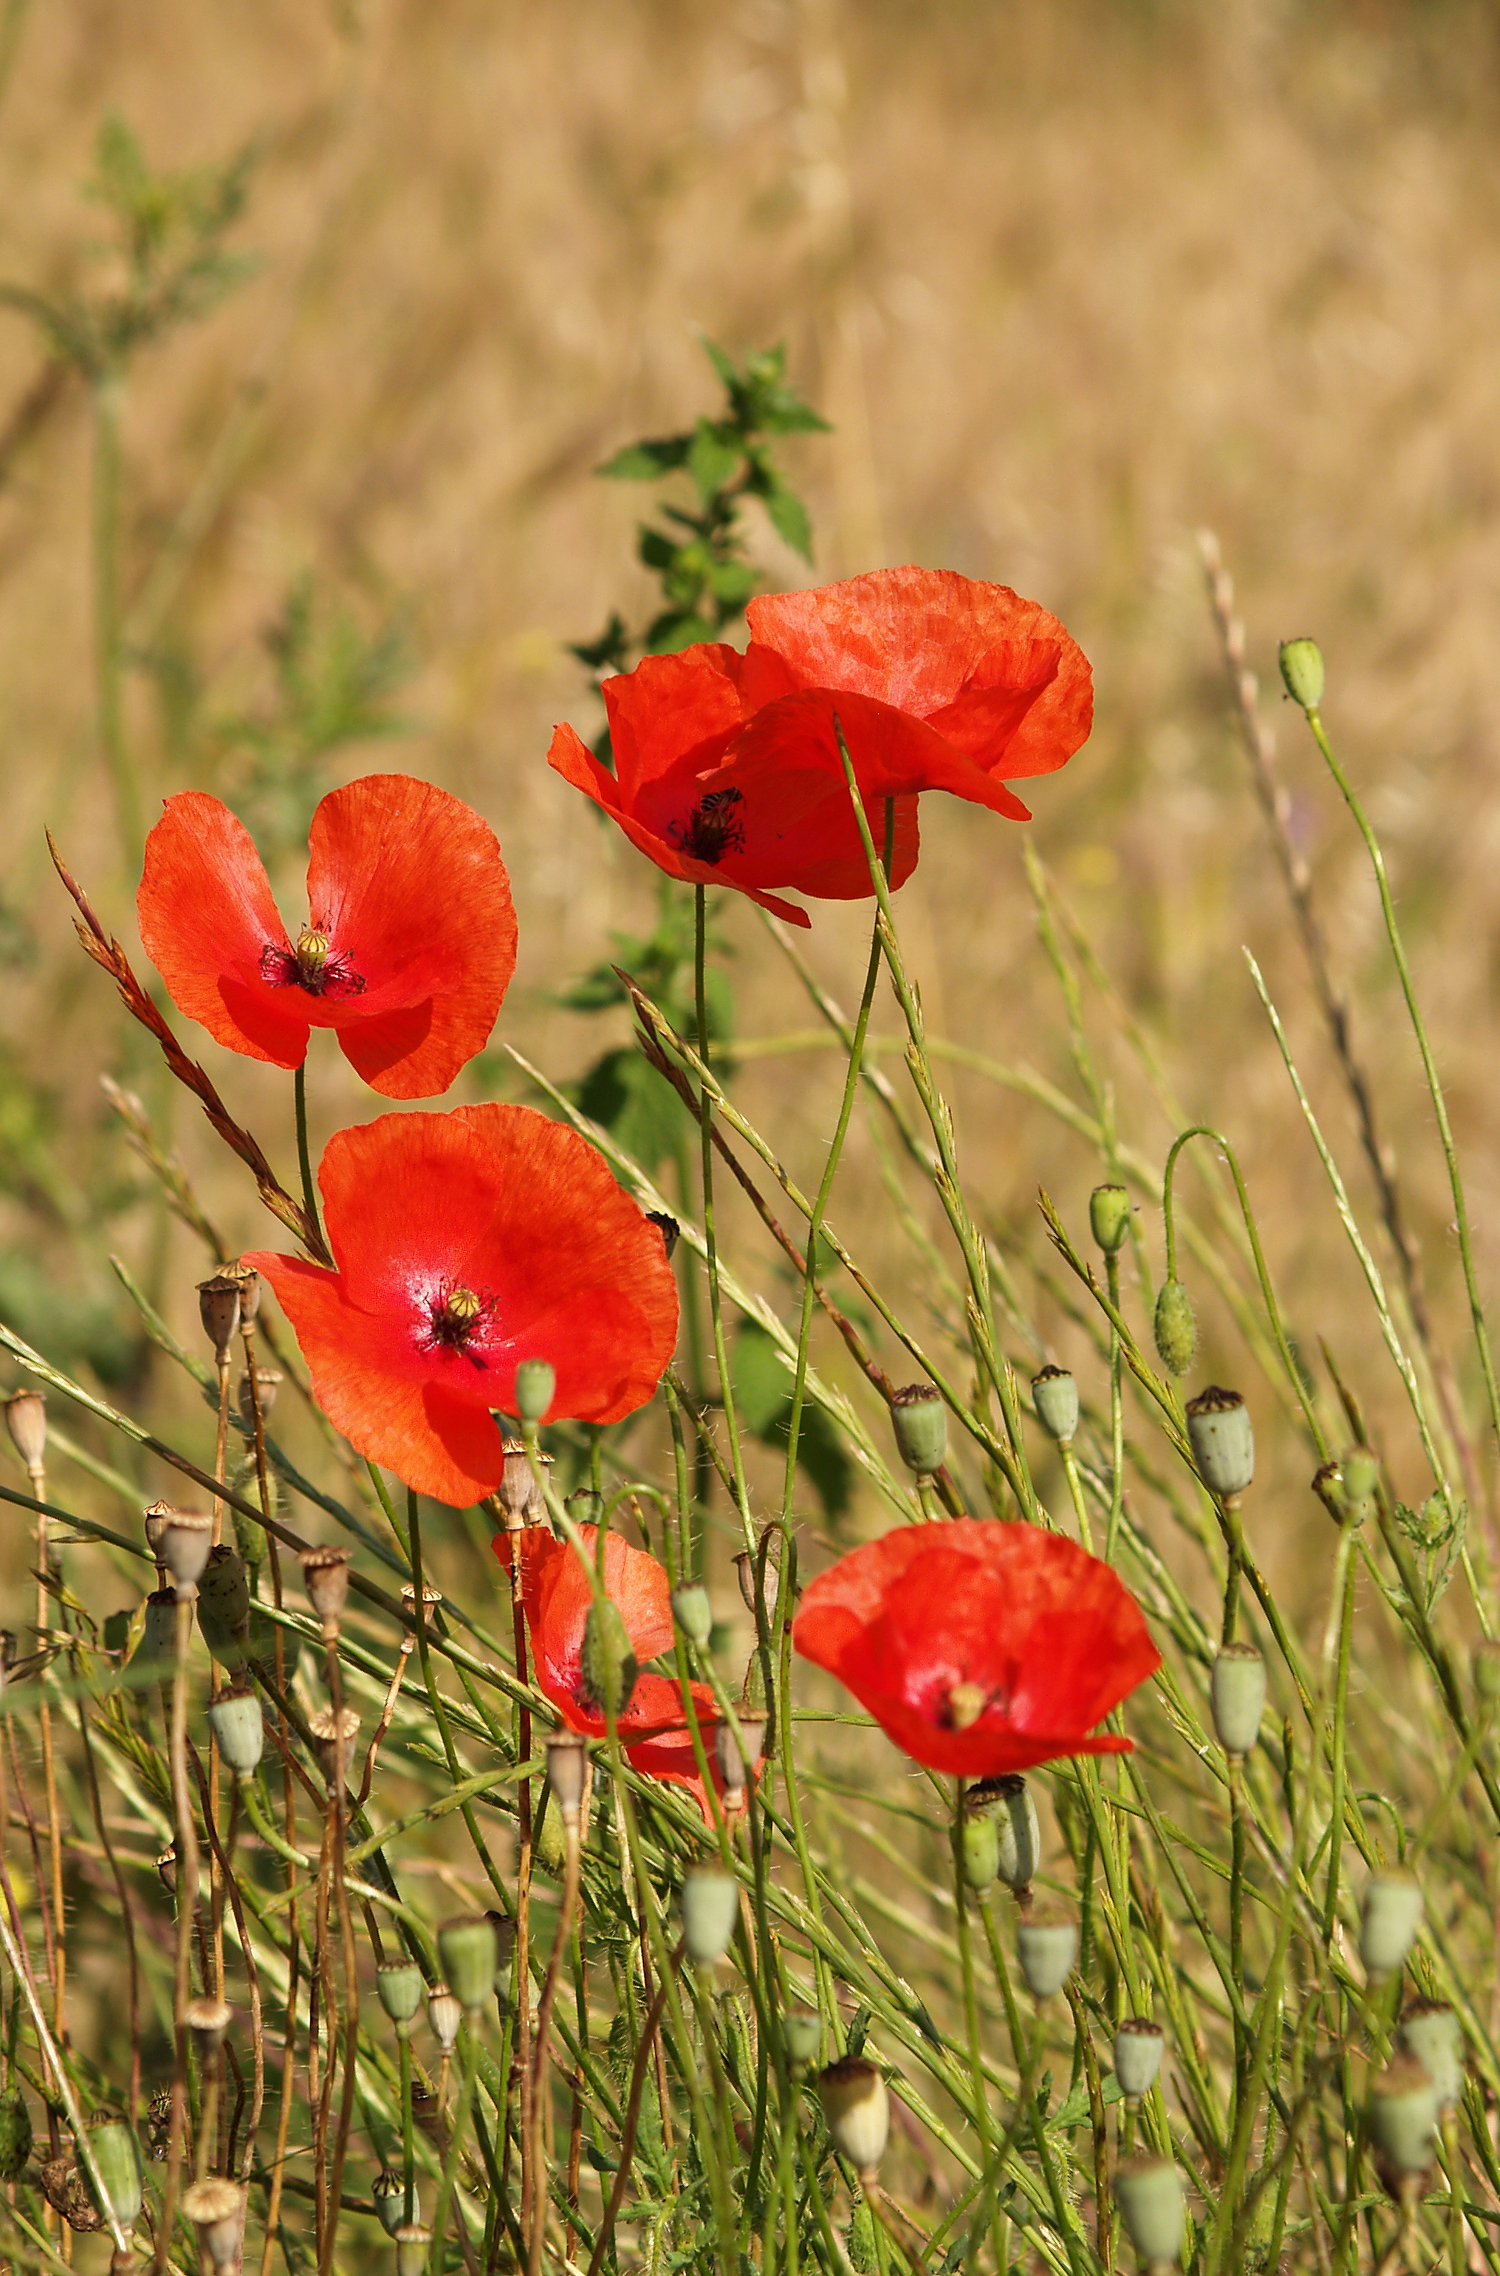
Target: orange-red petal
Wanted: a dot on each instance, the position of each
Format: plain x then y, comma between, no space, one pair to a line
206,915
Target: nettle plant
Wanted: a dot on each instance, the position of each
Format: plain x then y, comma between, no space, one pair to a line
749,1984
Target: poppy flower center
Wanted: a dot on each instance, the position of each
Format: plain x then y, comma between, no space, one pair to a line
964,1705
454,1318
713,828
314,966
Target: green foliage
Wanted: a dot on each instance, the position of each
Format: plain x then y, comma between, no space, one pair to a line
763,1404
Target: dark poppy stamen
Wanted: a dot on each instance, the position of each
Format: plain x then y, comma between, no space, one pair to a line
713,828
314,966
454,1318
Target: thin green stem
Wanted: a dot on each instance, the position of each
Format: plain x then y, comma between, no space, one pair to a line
710,1226
304,1159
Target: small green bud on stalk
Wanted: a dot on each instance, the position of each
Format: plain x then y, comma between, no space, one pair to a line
224,1605
413,2245
1222,1440
920,1422
325,1576
1389,1919
15,2133
607,1664
26,1420
1302,670
467,1951
1403,2118
1138,2052
1328,1485
1486,1667
268,1381
116,2151
389,2193
584,1506
1109,1217
444,2014
1148,2191
183,1546
1008,1803
1055,1396
217,2211
710,1908
979,1845
399,1986
1360,1470
1047,1946
568,1774
519,1496
1237,1696
207,2020
238,1725
802,2029
536,1388
1433,2035
1175,1328
856,2111
693,1611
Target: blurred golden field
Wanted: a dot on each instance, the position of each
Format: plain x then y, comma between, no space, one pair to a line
1071,280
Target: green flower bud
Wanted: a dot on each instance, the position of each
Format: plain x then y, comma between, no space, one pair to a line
1222,1440
1138,2051
1109,1217
1047,1946
1432,2033
15,2133
710,1908
1360,1471
608,1664
920,1422
1302,670
1055,1395
1328,1485
693,1612
1148,2191
1007,1801
1175,1328
856,2111
549,1848
1237,1694
802,2029
1404,2116
980,1848
584,1506
536,1388
1389,1919
399,1984
466,1951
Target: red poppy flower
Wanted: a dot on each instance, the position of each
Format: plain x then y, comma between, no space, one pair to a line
727,767
466,1242
981,1649
407,952
556,1593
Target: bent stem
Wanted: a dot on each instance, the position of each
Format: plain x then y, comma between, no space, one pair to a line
304,1159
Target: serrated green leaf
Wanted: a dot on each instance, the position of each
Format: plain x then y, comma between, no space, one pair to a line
714,458
647,460
638,1107
732,582
789,520
763,1402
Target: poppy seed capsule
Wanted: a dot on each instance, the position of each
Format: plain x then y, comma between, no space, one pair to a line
1389,1918
413,2245
333,1734
1047,1946
1237,1696
1007,1802
247,1279
268,1381
159,1628
1148,2191
391,2207
567,1773
1432,2033
802,2029
224,1605
1404,2116
1175,1328
467,1951
444,2014
1222,1440
607,1663
979,1845
219,1310
1138,2051
1109,1217
217,2211
920,1422
15,2133
238,1725
710,1907
398,1985
183,1545
1055,1396
26,1420
1302,671
856,2111
536,1388
115,2149
325,1576
584,1506
520,1497
693,1612
207,2020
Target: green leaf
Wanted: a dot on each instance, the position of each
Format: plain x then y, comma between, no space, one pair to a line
789,520
763,1402
638,1107
714,459
647,461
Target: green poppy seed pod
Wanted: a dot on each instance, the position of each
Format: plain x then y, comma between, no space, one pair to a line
159,1627
549,1850
1328,1485
536,1388
444,2015
980,1848
1432,2033
520,1498
26,1420
182,1547
1486,1666
1047,1946
466,1949
693,1612
1388,1922
325,1576
1055,1396
207,2021
116,2151
15,2133
920,1422
1222,1440
1237,1696
1006,1801
607,1665
505,1946
1138,2051
413,2245
268,1381
1148,2191
1360,1471
219,1310
238,1725
217,2211
391,2206
1302,670
1109,1217
1404,2116
224,1605
710,1908
399,1985
802,2029
568,1774
856,2111
250,1534
584,1506
1175,1328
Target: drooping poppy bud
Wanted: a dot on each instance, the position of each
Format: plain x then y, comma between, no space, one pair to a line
1222,1440
920,1422
1174,1327
1302,669
1055,1396
608,1664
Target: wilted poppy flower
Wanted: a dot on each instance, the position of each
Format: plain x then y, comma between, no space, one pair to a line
727,767
556,1594
464,1243
408,947
981,1649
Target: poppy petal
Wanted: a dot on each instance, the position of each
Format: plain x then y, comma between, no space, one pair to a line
206,917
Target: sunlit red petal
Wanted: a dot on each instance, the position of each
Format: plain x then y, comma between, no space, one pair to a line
206,914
